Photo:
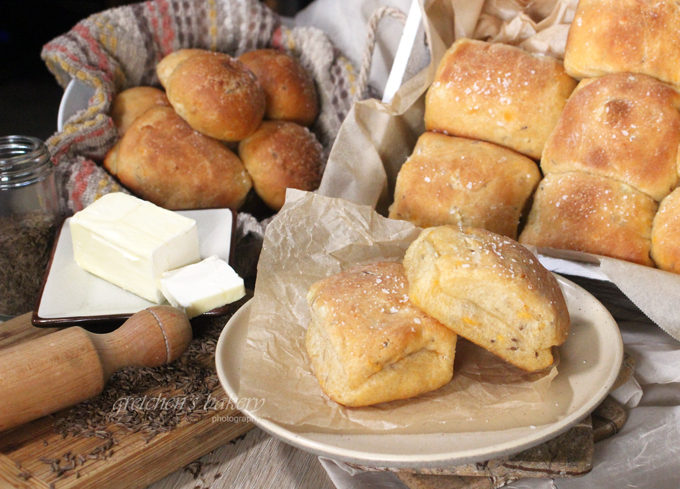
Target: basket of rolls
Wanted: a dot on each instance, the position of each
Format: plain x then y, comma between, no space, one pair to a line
556,124
197,105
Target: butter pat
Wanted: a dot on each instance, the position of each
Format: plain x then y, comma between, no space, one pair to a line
203,286
130,242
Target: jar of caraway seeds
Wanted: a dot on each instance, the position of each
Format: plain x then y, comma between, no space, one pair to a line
29,214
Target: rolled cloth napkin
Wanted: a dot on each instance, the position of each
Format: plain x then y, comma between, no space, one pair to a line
119,48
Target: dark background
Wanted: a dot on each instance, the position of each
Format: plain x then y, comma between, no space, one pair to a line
29,94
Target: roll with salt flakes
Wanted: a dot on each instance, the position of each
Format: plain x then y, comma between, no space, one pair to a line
288,88
280,155
582,212
168,64
490,290
217,95
451,180
613,36
624,126
129,104
666,234
497,93
369,344
161,159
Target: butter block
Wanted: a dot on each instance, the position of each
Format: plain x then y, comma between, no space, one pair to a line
203,286
131,242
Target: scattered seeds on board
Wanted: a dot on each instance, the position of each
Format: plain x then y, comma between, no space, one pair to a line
187,378
194,468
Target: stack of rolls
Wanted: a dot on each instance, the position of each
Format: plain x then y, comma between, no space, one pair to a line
222,127
488,114
611,161
385,331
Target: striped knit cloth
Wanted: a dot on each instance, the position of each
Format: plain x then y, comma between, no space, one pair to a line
119,48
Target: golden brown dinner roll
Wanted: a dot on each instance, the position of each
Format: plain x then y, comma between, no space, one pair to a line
288,88
281,155
217,95
666,234
163,160
497,93
610,36
133,102
488,289
451,180
168,64
367,342
582,212
623,126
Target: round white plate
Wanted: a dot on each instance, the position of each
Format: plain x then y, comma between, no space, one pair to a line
590,360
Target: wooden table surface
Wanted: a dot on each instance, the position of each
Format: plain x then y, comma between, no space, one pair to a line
255,461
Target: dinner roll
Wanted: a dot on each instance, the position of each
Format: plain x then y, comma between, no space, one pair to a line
217,95
133,102
281,155
452,180
497,93
163,160
610,36
168,64
367,342
488,289
289,90
666,234
623,126
582,212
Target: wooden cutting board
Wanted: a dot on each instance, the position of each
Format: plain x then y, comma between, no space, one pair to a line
29,453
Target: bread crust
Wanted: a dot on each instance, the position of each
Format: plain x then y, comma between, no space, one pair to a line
133,102
289,89
167,65
497,93
666,234
452,180
623,126
281,155
217,95
610,36
490,290
367,342
582,212
163,160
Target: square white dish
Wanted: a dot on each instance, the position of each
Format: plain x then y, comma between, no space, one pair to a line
72,296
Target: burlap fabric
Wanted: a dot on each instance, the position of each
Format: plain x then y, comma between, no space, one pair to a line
119,48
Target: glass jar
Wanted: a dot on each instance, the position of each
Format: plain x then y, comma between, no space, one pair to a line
29,214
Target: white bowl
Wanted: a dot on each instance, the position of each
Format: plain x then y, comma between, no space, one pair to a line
76,98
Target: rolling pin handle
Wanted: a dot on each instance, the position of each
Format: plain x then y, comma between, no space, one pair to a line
55,371
150,338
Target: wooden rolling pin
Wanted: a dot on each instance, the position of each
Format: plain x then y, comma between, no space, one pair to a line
44,375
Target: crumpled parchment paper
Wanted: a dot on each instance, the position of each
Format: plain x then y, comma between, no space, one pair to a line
313,237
